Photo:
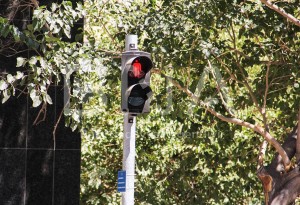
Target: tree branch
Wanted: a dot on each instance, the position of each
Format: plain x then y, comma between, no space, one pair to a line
256,128
264,145
282,12
261,154
245,83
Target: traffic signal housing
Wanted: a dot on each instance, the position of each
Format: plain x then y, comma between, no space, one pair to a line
135,89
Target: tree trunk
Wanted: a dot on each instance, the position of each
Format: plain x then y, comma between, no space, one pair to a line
281,187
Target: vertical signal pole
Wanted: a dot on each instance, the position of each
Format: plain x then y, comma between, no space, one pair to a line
129,140
135,99
129,158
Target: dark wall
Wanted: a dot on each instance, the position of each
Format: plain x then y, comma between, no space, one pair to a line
35,167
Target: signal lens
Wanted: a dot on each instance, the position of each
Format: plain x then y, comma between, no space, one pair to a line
137,96
136,101
137,71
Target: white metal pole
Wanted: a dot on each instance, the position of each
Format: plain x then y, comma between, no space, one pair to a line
131,42
129,158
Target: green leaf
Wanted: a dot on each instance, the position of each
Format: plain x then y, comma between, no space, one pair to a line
67,31
211,101
32,60
19,75
33,94
3,85
76,116
6,95
218,75
36,101
30,27
36,24
20,61
10,78
16,34
48,99
6,30
201,83
54,7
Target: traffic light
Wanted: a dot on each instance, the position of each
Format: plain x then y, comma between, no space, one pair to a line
136,91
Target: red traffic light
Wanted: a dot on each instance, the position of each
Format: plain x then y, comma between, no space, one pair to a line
137,71
138,68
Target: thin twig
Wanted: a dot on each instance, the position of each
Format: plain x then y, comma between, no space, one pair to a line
263,109
58,120
232,76
246,84
60,116
278,79
42,110
220,92
109,34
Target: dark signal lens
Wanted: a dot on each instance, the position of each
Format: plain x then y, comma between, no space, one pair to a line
136,101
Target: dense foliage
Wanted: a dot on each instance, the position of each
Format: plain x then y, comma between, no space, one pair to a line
238,58
185,155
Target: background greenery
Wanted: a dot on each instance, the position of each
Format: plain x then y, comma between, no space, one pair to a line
235,57
184,154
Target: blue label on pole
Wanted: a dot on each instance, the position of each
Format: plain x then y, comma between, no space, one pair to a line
121,181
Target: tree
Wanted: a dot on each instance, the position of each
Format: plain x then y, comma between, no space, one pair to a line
249,54
249,45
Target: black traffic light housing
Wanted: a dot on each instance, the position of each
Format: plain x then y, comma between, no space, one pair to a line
136,91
